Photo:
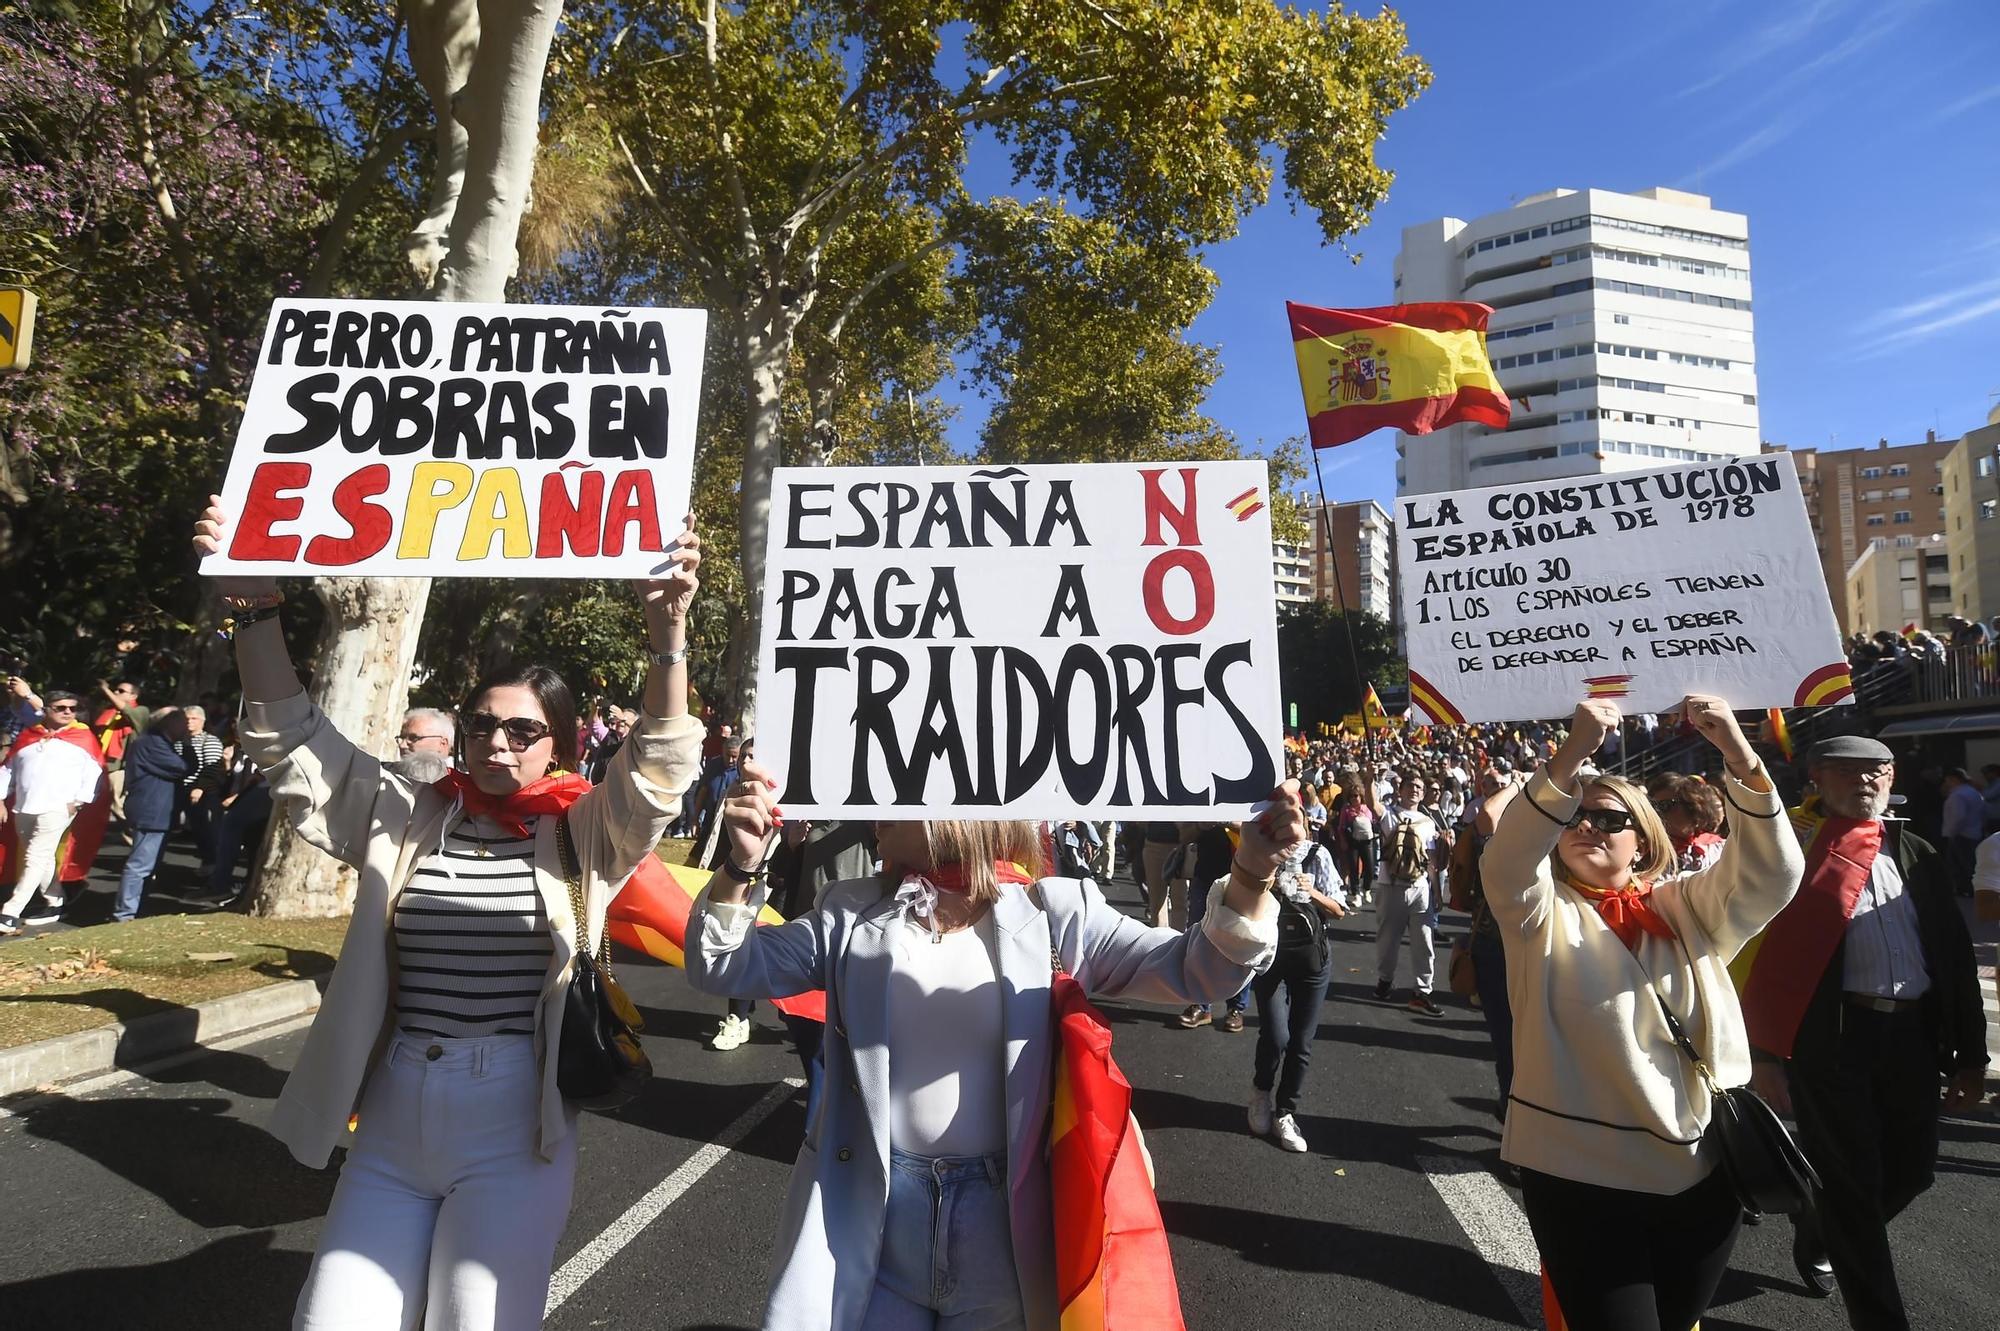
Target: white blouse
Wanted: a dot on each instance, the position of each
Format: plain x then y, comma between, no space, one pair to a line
947,1064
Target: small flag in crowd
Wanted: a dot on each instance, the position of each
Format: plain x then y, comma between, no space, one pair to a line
650,915
1113,1269
1416,368
1371,705
1778,732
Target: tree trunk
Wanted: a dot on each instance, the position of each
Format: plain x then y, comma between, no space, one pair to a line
766,357
362,678
362,684
500,108
443,36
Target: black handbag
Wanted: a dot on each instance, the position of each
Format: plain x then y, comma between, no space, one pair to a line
600,1063
1769,1172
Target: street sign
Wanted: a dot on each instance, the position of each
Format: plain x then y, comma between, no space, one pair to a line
17,327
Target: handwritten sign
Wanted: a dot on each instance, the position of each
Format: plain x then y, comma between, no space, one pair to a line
1639,586
1020,642
415,438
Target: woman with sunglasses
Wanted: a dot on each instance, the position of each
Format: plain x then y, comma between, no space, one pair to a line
1691,810
434,1054
921,1197
1634,1220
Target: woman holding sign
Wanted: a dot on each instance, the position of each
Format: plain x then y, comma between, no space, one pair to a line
921,1196
433,1058
1605,1120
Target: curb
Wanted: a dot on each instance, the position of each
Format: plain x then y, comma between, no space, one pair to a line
155,1036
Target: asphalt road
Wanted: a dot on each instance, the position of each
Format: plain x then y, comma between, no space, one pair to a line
158,1201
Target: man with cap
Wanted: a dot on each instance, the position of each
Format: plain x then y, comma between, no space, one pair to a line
1865,993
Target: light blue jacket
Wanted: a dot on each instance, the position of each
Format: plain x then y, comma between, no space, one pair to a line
830,1240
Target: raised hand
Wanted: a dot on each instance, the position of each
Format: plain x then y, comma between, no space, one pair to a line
1268,838
208,541
1712,719
749,812
666,599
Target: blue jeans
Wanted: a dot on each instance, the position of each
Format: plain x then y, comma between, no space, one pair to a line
146,847
1289,997
947,1252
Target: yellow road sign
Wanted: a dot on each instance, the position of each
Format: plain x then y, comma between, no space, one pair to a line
17,327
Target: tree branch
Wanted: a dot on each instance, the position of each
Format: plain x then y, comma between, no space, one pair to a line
874,284
332,247
746,225
708,270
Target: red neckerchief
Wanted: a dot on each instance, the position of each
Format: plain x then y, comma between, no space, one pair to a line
1628,913
76,732
551,794
951,877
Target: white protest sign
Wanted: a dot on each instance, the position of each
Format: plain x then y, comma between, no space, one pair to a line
413,438
1020,642
1641,586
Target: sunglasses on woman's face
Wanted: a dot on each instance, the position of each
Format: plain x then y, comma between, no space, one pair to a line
522,731
1607,822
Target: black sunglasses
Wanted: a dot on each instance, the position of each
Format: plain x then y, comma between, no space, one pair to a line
62,707
1609,822
522,731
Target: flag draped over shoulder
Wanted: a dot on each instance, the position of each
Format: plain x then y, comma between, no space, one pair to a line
1416,368
650,915
1113,1270
85,834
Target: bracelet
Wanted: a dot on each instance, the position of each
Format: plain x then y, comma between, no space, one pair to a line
1238,873
237,623
269,600
675,657
736,871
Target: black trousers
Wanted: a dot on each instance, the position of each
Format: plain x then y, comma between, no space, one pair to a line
1632,1261
1867,1105
1289,996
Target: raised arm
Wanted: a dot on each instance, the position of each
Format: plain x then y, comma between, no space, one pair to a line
1761,863
726,954
262,661
1513,871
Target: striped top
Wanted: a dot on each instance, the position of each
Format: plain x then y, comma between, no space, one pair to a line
472,939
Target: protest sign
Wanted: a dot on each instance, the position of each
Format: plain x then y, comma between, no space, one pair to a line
1020,642
1639,586
413,438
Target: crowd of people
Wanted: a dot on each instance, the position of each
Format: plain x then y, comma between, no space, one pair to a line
1613,928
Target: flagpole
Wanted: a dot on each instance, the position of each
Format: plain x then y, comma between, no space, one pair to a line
1340,591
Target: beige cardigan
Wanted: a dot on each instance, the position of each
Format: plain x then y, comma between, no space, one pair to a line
1601,1093
352,807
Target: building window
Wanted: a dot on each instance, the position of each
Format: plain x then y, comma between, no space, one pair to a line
1900,469
1986,509
1871,473
1902,517
1900,492
1986,465
1871,496
1876,520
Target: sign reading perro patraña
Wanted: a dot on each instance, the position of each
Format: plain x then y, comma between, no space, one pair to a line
1640,586
1032,642
414,438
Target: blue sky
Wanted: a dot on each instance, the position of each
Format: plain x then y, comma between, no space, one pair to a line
1862,138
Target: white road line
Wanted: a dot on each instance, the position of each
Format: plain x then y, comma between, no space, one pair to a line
1498,1230
106,1081
592,1257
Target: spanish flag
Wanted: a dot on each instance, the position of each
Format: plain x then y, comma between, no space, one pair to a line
1113,1269
1778,732
1371,705
650,915
1414,367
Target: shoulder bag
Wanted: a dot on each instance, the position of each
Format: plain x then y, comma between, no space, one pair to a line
1770,1173
600,1063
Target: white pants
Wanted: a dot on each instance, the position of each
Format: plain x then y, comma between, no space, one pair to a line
444,1216
39,836
1401,908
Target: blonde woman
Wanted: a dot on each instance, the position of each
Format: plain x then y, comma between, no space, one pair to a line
1634,1219
921,1196
440,1029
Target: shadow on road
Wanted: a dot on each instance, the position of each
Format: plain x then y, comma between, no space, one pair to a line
235,1284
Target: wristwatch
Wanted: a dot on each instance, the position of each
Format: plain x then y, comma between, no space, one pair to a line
675,657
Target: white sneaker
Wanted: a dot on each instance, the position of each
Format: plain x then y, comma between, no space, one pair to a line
1260,1112
732,1034
1288,1134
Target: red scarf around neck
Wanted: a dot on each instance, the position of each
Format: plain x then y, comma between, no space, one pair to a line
951,877
552,794
1627,912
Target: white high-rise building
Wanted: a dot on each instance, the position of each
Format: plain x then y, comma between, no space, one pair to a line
1621,328
1291,579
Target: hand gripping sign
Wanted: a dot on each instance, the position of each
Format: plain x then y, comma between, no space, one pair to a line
1020,642
414,438
1641,586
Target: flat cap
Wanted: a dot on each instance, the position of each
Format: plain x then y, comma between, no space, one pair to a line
1849,746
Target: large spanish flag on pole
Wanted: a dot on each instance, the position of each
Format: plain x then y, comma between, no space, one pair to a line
1415,368
650,915
1113,1269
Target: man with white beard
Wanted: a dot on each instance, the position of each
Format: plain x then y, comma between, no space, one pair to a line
1862,1005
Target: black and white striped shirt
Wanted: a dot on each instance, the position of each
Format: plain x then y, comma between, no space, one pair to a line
472,939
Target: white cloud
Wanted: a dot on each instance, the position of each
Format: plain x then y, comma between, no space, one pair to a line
1966,103
1966,315
1930,304
1751,144
1768,41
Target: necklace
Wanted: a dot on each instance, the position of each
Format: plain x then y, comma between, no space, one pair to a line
480,851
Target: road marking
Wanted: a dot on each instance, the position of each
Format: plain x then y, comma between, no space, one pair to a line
1499,1231
108,1081
592,1257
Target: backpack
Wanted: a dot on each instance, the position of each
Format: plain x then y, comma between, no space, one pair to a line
1301,935
1408,860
